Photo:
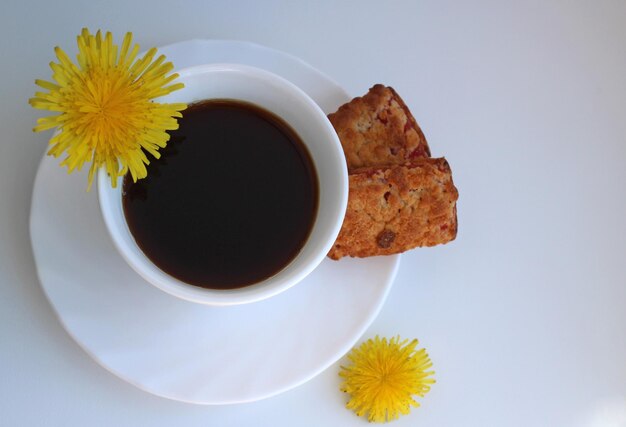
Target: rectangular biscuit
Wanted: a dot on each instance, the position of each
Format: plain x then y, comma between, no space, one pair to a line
394,209
378,129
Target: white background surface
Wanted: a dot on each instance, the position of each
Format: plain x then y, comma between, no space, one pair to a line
523,315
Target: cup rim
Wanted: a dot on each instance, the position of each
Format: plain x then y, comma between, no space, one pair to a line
271,286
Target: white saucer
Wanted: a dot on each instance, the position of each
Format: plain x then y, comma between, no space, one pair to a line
182,350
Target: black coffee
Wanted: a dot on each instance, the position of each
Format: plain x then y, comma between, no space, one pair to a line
231,201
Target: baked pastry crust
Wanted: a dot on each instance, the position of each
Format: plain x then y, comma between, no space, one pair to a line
378,129
394,209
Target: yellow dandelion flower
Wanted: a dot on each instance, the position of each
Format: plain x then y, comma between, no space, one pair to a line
106,115
384,376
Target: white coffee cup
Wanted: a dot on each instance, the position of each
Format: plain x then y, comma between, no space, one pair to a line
279,96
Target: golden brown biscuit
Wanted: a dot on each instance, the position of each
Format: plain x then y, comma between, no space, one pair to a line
378,129
391,210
